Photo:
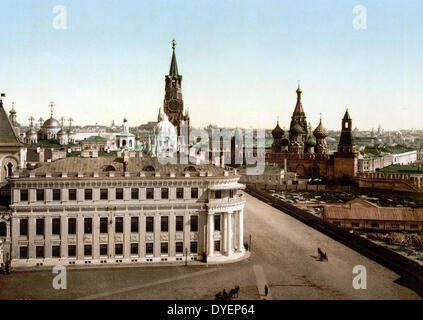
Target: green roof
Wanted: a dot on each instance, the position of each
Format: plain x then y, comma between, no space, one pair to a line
173,71
96,138
347,115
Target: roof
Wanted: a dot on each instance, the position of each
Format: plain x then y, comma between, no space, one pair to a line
173,71
346,139
87,166
95,138
347,115
8,135
373,213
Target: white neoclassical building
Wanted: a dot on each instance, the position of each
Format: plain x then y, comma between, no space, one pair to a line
112,210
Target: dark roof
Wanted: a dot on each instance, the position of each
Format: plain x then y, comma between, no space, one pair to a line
346,139
8,135
374,214
347,115
173,71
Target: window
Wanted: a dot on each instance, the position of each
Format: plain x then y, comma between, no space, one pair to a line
134,249
3,229
179,223
336,223
87,250
119,225
88,194
39,227
55,251
24,195
217,245
23,227
231,193
55,226
164,248
150,193
72,226
217,222
72,194
179,193
134,224
56,195
395,225
149,224
135,193
72,251
218,194
179,247
119,194
149,248
165,193
194,223
355,224
39,251
23,252
88,225
194,193
164,224
104,223
118,249
104,194
414,226
40,194
103,249
375,225
194,247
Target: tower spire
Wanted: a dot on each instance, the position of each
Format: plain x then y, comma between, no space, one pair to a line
173,71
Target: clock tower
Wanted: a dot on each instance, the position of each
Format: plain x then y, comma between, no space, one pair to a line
173,103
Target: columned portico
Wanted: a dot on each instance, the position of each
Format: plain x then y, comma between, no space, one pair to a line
210,231
228,234
241,230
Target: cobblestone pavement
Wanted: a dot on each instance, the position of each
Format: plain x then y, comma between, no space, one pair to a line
282,246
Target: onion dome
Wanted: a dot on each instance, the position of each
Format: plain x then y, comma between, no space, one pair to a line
13,111
51,124
62,133
311,141
320,131
277,132
296,129
30,131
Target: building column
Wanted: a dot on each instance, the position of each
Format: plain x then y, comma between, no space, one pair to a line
96,237
141,225
229,234
63,236
47,237
14,224
157,233
172,232
224,232
80,237
126,236
31,236
210,231
241,230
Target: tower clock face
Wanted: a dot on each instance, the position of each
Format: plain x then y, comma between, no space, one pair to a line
173,105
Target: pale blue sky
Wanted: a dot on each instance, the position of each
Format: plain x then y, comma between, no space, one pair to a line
240,60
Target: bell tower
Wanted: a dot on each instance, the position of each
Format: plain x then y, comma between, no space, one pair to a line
173,102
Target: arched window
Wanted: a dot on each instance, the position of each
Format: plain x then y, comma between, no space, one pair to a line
110,168
3,229
9,169
148,168
123,143
190,168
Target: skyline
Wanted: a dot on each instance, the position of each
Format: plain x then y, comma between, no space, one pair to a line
251,59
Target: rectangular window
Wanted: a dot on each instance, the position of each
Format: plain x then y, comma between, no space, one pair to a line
23,227
87,250
149,248
88,194
355,224
40,194
39,227
72,226
55,226
104,224
55,251
134,224
217,222
119,193
150,193
194,247
179,193
119,225
24,196
88,225
164,248
23,252
414,226
165,193
72,194
218,194
217,245
118,249
179,247
375,225
336,223
179,223
194,193
164,224
231,193
39,251
103,249
104,194
135,193
149,224
395,225
72,251
134,249
56,195
194,223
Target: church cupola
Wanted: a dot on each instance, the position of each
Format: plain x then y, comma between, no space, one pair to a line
346,141
321,134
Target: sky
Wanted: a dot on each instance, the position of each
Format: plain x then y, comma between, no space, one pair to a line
240,60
